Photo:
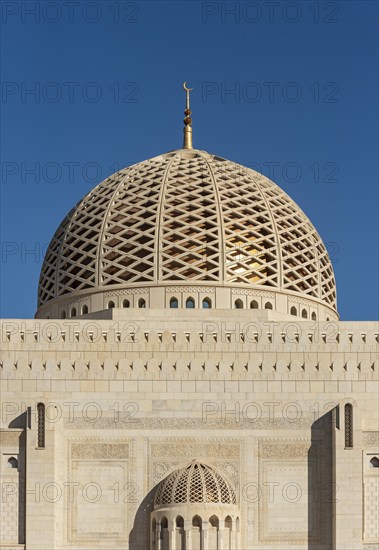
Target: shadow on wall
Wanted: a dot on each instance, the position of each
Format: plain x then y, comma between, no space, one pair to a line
21,487
19,422
321,490
140,534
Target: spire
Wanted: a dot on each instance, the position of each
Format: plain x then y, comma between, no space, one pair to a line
187,130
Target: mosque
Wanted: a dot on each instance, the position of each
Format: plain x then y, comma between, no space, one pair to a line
187,383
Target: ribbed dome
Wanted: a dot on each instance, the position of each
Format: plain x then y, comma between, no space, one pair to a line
186,217
195,482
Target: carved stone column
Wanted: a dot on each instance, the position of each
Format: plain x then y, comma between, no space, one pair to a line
158,544
188,533
220,539
233,533
205,536
172,534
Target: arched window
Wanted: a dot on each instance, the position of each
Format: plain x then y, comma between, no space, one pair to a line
293,310
174,304
207,303
327,319
213,520
164,523
84,310
238,304
110,304
197,521
40,425
314,316
141,303
126,303
268,305
374,462
63,314
348,426
254,304
73,312
12,462
190,303
304,314
179,521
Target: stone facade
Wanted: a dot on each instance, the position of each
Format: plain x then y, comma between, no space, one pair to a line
132,398
187,383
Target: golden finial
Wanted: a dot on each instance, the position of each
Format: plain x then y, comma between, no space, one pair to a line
187,130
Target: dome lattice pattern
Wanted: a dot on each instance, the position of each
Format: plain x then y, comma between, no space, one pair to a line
196,482
187,216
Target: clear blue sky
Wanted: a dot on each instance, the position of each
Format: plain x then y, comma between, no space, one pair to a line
107,92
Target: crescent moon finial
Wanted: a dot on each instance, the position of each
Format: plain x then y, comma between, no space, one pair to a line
185,87
187,143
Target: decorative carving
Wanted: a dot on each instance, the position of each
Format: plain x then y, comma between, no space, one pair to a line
9,438
279,449
78,300
370,439
100,450
188,424
195,449
230,469
206,289
127,291
248,292
301,301
161,469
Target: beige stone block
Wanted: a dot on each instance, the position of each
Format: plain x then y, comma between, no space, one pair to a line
260,387
130,386
274,386
202,386
174,386
87,385
116,386
317,386
101,385
288,386
145,386
344,386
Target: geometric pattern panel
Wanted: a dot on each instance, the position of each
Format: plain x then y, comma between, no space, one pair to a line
196,482
79,249
129,227
190,228
47,280
251,246
187,216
